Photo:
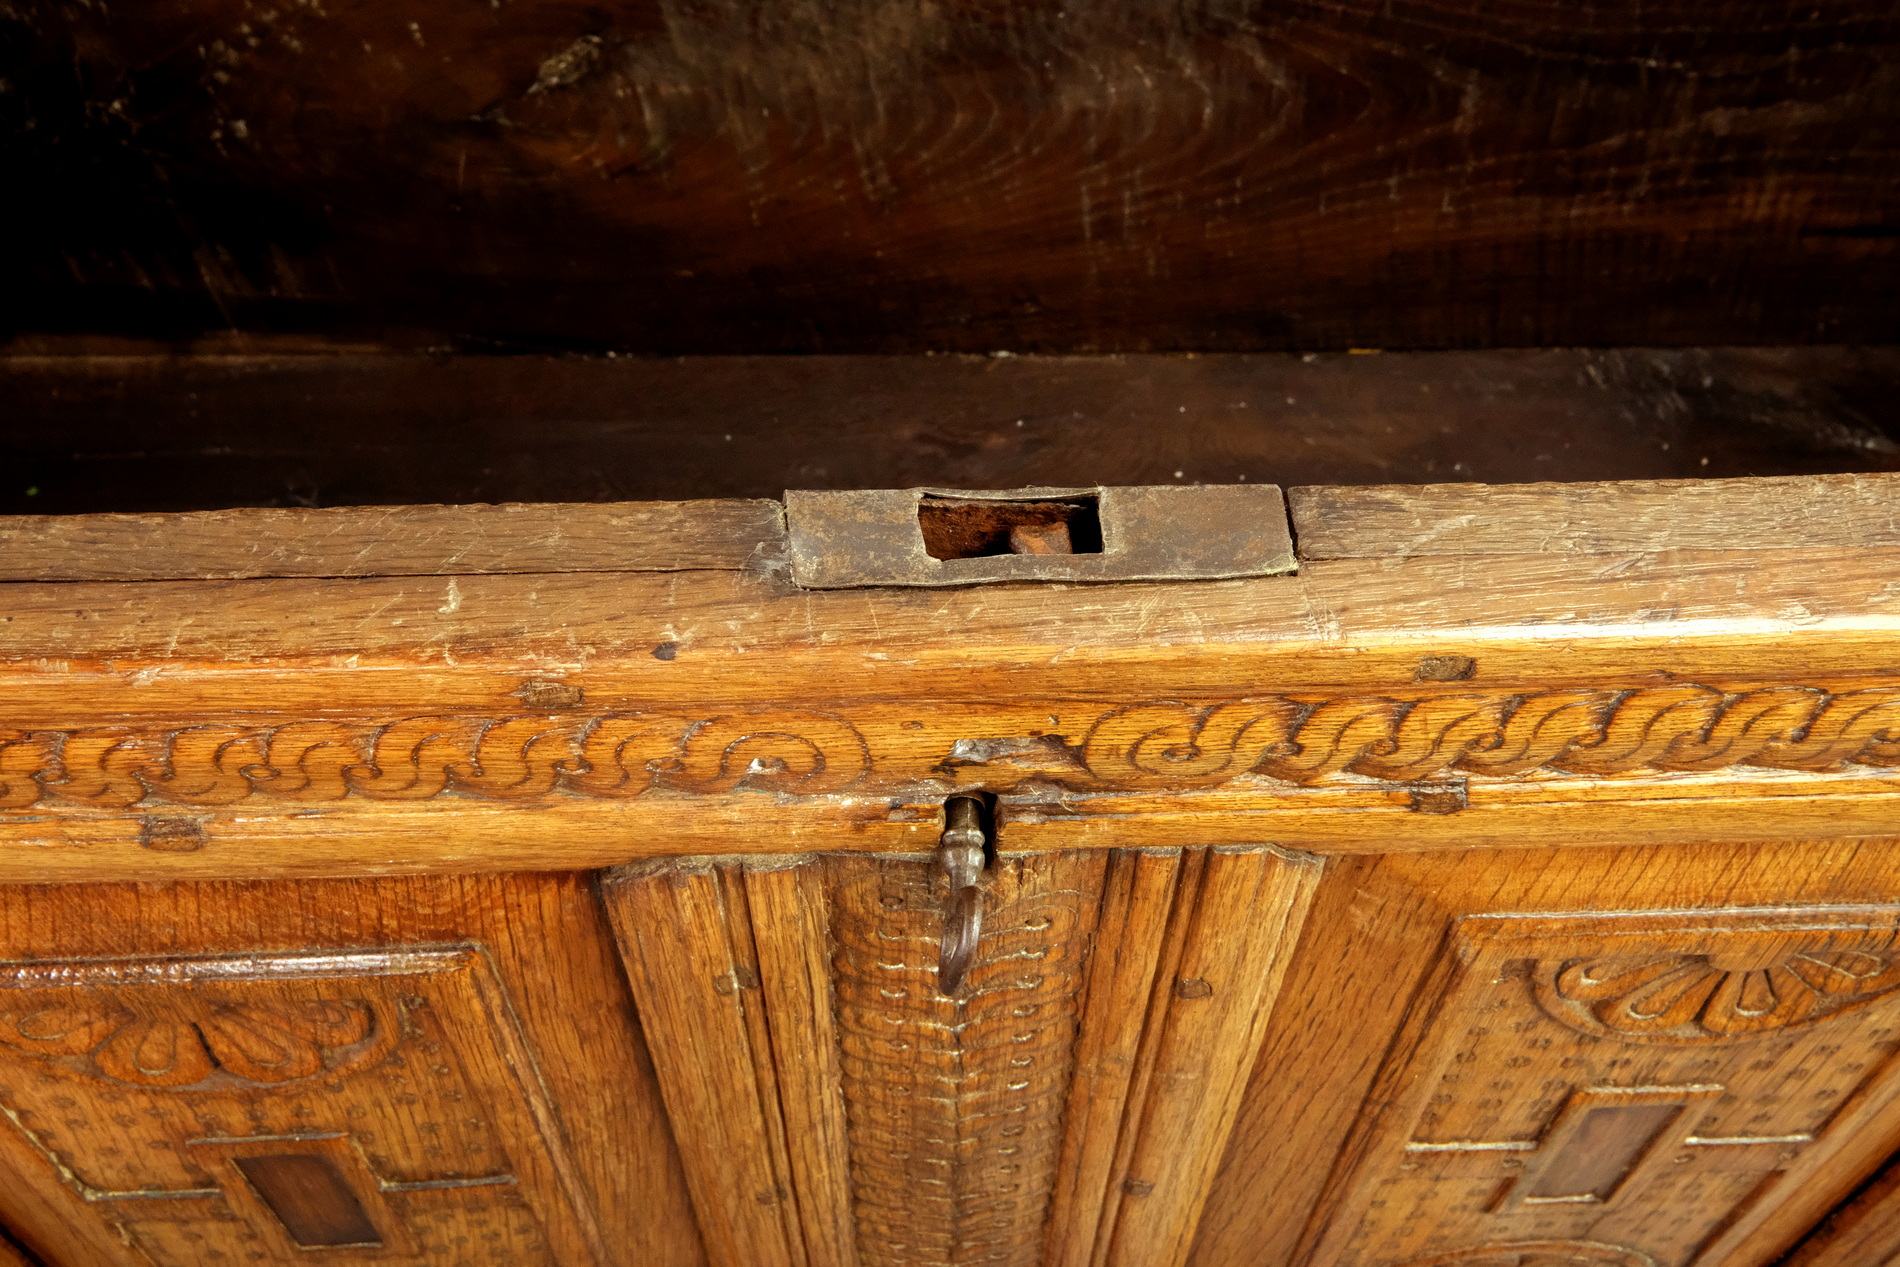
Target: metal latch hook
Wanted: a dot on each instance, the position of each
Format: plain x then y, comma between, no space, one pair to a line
963,856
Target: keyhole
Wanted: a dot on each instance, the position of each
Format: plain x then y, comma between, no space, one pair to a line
977,528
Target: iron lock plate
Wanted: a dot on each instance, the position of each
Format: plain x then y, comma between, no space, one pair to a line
846,539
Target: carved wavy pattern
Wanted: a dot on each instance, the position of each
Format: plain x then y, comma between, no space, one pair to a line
415,758
1688,999
954,1104
802,752
1579,732
1541,1254
192,1045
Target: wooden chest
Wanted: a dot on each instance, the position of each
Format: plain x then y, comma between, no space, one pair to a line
1502,877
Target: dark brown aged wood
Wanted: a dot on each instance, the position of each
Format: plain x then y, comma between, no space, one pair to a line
1850,511
391,541
876,176
91,433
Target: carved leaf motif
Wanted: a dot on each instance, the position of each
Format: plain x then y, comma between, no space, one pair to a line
1182,745
1859,726
152,1052
520,758
63,1029
100,768
1333,736
1539,729
252,1045
1641,729
1429,730
1690,999
185,1047
412,758
1746,728
327,1022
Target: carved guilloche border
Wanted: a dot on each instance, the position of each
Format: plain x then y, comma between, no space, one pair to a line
1148,745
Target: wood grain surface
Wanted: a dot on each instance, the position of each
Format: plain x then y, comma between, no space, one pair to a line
108,431
211,965
1608,517
1865,1229
399,541
695,971
639,638
1415,701
1472,1050
834,1106
1612,517
1230,940
876,176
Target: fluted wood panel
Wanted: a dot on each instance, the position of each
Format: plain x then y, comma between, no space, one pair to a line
834,1106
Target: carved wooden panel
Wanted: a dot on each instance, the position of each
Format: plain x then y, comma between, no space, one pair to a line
1619,1089
1142,744
955,1101
360,1105
1067,1104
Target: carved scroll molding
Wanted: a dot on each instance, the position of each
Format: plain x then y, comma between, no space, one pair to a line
417,758
1067,1105
1154,745
1580,732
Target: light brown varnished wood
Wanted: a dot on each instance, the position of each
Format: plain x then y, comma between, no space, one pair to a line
399,838
956,1100
391,541
1093,1059
1371,1026
1514,766
439,1034
1619,517
1134,951
787,909
695,971
1337,622
1204,1029
1864,1230
257,712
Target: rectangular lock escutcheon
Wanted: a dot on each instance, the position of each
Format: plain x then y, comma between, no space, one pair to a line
932,537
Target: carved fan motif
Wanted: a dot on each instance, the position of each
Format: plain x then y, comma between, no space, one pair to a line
1698,999
175,1048
1541,1254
